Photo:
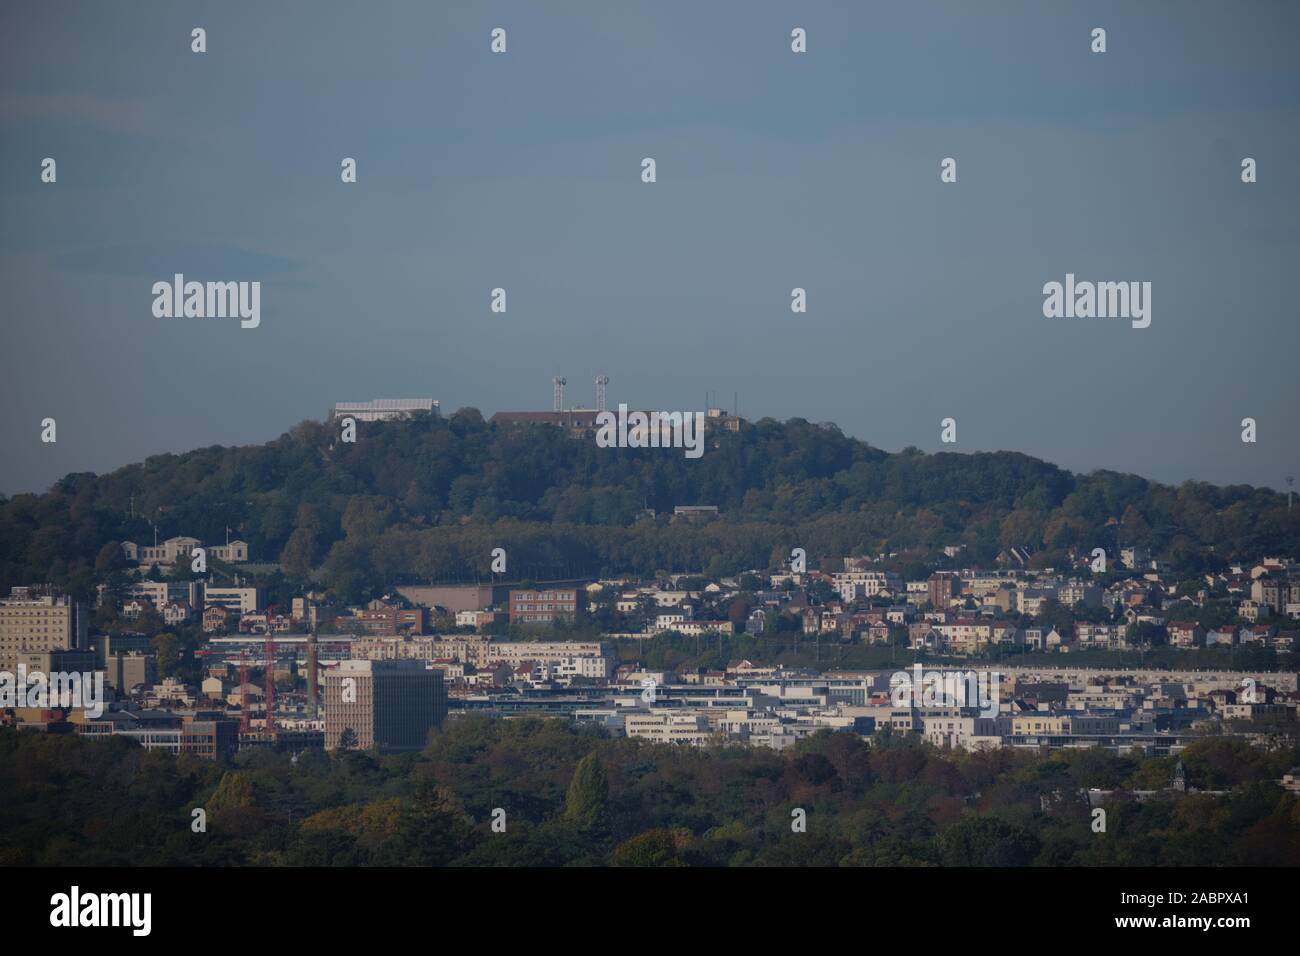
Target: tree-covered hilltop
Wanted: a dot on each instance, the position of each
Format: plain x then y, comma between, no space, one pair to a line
573,796
428,499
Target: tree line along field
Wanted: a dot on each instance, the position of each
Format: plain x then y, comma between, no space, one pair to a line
572,796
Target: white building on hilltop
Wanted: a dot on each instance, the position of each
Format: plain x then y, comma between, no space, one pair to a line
174,549
384,409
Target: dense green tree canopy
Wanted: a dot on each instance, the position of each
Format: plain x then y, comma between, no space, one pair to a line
574,796
428,499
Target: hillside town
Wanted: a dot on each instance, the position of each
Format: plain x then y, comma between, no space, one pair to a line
312,674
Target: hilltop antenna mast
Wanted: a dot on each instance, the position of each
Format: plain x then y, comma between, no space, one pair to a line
1290,485
559,384
601,382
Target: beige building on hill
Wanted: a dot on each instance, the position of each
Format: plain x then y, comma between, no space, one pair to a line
30,622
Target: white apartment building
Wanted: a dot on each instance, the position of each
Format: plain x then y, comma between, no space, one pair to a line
668,727
852,585
241,600
1101,636
966,635
668,620
1030,600
591,668
1075,592
464,649
162,593
475,619
516,652
742,722
952,731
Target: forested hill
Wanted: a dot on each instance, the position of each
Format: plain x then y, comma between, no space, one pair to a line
428,499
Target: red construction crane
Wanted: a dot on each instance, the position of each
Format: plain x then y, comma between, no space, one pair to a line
270,672
243,692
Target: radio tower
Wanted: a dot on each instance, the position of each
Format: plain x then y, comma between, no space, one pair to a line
601,382
559,384
1290,485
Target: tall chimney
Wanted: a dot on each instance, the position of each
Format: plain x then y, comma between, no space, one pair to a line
311,675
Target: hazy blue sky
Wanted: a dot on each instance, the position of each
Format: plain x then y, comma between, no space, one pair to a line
775,170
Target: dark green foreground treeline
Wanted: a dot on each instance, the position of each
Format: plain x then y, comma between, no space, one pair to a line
572,796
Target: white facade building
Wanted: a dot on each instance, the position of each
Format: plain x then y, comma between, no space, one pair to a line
383,409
